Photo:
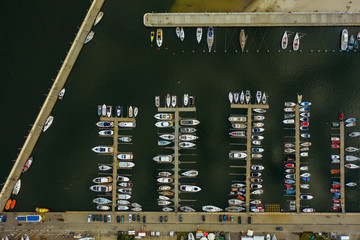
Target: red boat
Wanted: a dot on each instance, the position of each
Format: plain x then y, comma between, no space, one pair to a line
335,186
288,185
290,165
341,117
28,164
335,208
335,146
335,142
333,190
13,203
234,189
334,171
305,124
336,201
240,197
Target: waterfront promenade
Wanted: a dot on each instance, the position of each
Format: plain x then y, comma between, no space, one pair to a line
253,19
77,222
50,101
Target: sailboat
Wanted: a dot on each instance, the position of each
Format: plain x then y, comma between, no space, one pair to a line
210,38
296,42
284,40
242,40
199,34
182,34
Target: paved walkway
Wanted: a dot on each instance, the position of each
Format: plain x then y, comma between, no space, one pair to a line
50,101
244,19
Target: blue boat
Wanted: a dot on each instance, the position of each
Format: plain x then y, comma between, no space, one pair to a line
288,192
163,143
337,194
304,109
305,103
305,119
305,179
335,197
289,181
305,135
304,128
335,183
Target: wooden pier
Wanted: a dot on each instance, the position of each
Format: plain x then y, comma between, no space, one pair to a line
176,111
297,158
115,165
249,108
342,166
50,102
251,19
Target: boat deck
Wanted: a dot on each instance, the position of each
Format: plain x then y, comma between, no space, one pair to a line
297,158
342,165
176,111
50,101
116,121
249,108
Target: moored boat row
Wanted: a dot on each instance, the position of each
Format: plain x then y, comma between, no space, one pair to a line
244,97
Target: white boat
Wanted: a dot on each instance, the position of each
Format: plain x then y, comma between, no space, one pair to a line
258,124
235,202
62,93
187,209
130,112
257,192
105,124
17,187
103,149
289,150
242,39
305,175
125,190
257,137
104,167
351,166
256,155
258,97
164,116
98,18
101,200
210,208
237,155
210,37
351,149
255,186
189,188
187,137
163,124
123,196
238,134
103,110
351,158
304,109
247,96
102,207
190,173
123,202
234,209
167,136
239,125
306,197
126,164
237,119
308,210
173,101
288,121
305,114
182,34
157,101
168,100
189,122
186,99
290,104
296,42
257,130
163,158
125,139
187,130
268,235
165,180
48,123
125,184
304,168
256,142
305,144
167,209
257,150
122,208
305,186
236,97
242,97
305,135
127,124
354,134
102,179
106,133
344,39
238,185
101,188
159,37
163,143
191,236
257,167
304,154
125,156
259,110
199,33
231,97
284,40
351,184
136,111
289,109
177,30
186,144
352,124
89,37
264,98
122,179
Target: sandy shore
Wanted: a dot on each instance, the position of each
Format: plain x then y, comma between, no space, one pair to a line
266,6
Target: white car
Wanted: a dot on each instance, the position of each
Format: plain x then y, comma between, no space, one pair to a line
89,218
109,218
130,217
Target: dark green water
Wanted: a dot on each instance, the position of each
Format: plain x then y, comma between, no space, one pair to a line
120,67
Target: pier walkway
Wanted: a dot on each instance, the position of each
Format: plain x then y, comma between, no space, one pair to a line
249,108
115,165
177,111
50,101
297,158
342,166
251,19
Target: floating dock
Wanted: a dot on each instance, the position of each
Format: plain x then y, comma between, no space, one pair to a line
176,111
115,165
342,166
251,19
297,157
249,108
50,101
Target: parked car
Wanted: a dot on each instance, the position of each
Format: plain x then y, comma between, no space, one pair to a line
130,217
109,218
180,218
161,218
89,218
144,219
165,218
118,219
249,220
279,229
239,220
203,218
138,218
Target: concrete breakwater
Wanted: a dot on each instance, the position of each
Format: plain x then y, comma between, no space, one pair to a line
50,101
